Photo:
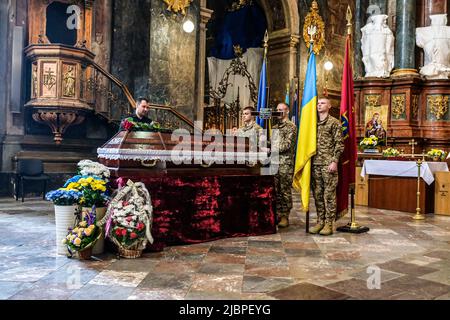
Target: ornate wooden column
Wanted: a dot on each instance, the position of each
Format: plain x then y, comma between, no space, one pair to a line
205,15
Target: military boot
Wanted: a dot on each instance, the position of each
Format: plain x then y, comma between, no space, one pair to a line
327,230
284,222
316,229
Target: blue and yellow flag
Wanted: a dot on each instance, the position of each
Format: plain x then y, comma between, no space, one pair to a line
262,91
306,139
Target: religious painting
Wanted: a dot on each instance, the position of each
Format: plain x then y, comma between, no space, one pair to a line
48,76
376,123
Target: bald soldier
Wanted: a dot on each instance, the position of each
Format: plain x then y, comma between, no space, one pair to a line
285,146
330,146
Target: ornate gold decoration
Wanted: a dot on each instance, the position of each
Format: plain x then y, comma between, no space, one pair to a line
239,4
178,5
398,107
314,29
69,81
415,106
372,100
438,106
151,164
348,17
237,51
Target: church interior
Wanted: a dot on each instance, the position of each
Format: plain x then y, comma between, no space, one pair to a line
74,71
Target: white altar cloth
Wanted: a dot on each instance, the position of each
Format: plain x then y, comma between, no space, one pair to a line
402,169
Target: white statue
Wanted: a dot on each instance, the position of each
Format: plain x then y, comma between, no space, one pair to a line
435,41
377,46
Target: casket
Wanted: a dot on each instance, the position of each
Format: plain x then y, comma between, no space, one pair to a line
145,153
202,188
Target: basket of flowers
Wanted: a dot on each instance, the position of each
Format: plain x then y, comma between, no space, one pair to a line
128,220
436,154
391,152
83,237
369,144
92,184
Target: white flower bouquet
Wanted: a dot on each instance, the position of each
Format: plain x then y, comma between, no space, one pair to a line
91,168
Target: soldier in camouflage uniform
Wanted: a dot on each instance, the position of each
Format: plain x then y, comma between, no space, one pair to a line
250,129
284,144
330,146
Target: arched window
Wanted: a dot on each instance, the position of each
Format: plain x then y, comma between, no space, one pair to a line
58,30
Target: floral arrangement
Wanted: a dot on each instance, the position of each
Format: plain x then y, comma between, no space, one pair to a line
91,168
92,189
391,152
130,125
85,233
436,154
127,226
369,142
63,196
129,217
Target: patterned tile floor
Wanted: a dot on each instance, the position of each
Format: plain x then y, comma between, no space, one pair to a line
398,259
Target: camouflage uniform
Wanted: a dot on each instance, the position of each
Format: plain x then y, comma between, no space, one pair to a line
330,146
250,130
285,173
253,131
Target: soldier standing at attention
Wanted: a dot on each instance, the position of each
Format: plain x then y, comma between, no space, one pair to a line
330,146
250,127
285,146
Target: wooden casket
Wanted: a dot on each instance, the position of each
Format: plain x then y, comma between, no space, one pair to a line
201,188
144,153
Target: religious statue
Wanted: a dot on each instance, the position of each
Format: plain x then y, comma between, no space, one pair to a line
374,127
435,41
377,46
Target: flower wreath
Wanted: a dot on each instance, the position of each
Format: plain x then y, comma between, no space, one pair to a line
129,217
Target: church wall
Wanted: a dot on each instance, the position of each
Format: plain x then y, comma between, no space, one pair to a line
131,45
172,75
12,14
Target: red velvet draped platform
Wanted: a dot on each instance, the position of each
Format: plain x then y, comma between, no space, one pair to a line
194,209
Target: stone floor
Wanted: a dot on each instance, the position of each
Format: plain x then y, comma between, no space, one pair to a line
397,259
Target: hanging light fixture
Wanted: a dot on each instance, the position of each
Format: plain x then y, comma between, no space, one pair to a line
188,25
328,66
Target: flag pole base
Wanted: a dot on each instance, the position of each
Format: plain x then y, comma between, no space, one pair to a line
353,228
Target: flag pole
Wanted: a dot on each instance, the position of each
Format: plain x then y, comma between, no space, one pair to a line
266,47
311,44
352,226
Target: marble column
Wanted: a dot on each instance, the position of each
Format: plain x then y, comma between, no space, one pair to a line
363,9
405,39
205,15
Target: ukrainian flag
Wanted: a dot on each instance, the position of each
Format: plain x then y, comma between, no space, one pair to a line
306,139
